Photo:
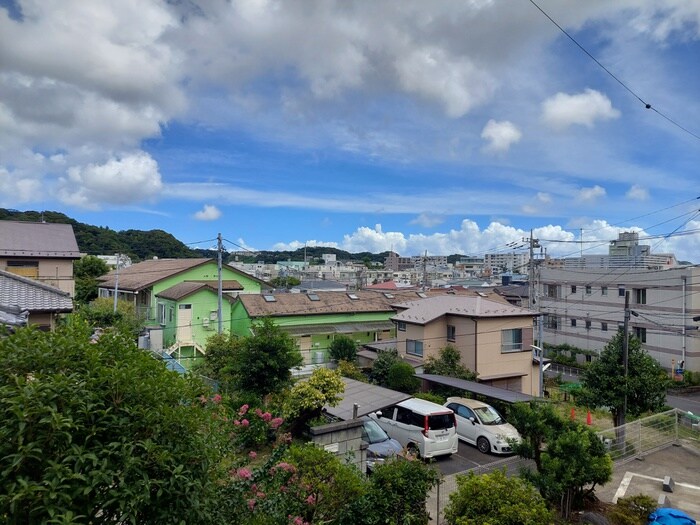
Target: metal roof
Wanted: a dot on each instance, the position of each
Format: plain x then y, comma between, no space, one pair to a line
427,310
37,239
370,398
338,328
492,392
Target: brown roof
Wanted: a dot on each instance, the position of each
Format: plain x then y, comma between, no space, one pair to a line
37,239
427,310
145,274
182,290
226,284
331,302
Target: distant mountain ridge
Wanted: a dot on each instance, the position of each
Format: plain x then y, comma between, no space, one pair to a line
146,244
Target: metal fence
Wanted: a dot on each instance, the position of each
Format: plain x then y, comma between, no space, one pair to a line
631,441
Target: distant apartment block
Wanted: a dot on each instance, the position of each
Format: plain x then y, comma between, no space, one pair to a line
585,308
507,262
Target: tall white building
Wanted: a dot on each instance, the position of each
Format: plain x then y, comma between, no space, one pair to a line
507,262
585,307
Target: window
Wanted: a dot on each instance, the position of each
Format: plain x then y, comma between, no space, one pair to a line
414,347
640,295
552,291
589,358
313,297
589,289
269,298
573,322
641,334
511,340
603,290
604,327
388,295
171,314
588,325
353,296
551,321
161,313
573,288
401,326
422,295
621,291
451,332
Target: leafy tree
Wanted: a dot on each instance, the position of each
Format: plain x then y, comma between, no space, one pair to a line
496,498
343,347
307,397
350,370
86,271
397,494
603,384
100,314
262,363
220,349
403,378
382,364
572,462
98,432
448,363
284,282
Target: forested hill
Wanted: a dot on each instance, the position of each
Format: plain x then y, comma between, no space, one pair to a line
99,240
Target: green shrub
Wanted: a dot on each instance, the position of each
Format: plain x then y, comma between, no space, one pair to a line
632,510
402,377
343,348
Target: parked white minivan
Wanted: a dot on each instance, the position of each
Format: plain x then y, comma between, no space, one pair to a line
481,425
427,428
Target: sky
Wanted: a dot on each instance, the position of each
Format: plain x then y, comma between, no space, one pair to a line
434,127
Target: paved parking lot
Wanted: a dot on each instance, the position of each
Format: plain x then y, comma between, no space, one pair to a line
467,457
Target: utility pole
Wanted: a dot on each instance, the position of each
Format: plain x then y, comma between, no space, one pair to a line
425,270
116,284
532,301
219,249
625,353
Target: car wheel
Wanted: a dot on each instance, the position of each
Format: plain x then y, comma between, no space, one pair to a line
413,450
483,445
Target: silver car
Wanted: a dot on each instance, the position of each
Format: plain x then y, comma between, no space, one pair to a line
481,425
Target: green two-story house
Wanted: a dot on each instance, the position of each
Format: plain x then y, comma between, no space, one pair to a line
178,300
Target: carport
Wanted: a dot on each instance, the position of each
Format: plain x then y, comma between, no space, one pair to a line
487,391
369,398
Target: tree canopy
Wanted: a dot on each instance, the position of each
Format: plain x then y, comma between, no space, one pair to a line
343,348
604,386
97,432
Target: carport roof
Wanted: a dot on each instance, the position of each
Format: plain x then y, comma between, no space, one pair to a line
370,398
492,392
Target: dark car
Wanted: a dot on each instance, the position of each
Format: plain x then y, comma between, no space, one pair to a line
380,445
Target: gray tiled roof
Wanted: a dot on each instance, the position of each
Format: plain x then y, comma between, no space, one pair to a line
31,295
37,239
426,310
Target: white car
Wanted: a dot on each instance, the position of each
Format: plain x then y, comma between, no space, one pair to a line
481,425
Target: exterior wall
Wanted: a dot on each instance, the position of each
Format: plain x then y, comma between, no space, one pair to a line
44,320
344,439
492,361
672,300
311,344
480,345
54,272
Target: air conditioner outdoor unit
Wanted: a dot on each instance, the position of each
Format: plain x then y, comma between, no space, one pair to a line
205,323
317,358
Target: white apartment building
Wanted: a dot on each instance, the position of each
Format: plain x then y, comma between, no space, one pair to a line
507,262
585,307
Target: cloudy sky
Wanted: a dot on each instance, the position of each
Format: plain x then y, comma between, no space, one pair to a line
441,126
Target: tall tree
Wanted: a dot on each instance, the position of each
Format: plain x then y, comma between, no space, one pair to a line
86,271
570,458
262,363
604,385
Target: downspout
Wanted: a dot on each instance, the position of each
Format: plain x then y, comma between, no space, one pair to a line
476,349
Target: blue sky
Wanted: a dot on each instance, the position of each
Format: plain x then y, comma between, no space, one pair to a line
446,127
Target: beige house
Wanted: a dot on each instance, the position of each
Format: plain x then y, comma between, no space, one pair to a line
41,251
492,336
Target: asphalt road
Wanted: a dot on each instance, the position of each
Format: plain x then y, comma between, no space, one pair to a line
467,457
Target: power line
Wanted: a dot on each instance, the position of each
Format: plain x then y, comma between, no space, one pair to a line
612,75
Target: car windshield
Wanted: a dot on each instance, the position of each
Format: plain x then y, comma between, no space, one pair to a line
373,433
489,416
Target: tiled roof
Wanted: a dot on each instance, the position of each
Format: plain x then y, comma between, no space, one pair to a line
426,310
37,239
32,295
145,274
332,302
182,290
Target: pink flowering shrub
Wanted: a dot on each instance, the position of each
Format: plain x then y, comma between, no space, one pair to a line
254,428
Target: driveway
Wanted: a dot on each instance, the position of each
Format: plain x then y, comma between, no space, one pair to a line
467,457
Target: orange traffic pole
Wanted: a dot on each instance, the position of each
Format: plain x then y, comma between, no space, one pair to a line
589,419
573,414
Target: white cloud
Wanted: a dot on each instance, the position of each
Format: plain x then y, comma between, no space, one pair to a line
637,193
544,198
127,179
208,213
591,194
501,135
456,83
562,110
428,220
